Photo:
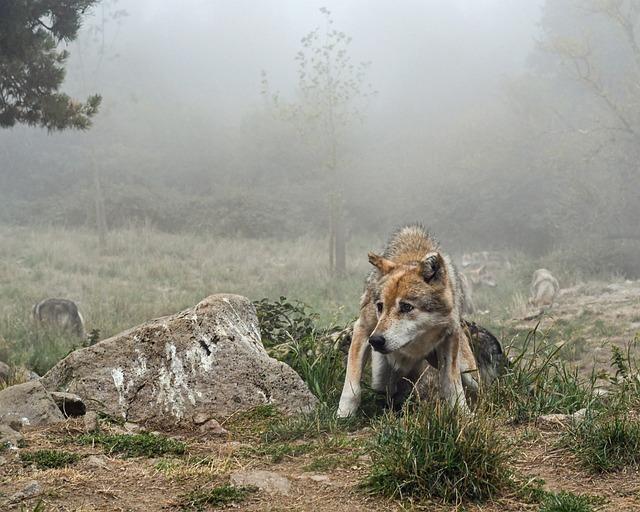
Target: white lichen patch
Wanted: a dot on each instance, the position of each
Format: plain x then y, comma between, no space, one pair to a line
139,367
172,389
182,356
118,380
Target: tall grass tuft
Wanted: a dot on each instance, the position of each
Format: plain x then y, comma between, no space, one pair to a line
430,451
538,382
605,442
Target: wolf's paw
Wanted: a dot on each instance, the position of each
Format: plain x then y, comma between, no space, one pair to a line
348,407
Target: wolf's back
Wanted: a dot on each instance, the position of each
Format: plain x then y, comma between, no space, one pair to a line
488,353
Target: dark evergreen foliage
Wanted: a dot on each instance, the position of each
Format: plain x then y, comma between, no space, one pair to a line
32,66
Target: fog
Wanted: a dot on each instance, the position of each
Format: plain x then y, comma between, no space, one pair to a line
479,126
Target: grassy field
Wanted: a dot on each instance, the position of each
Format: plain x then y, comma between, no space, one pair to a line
142,274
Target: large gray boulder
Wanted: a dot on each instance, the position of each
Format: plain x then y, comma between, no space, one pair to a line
208,359
28,404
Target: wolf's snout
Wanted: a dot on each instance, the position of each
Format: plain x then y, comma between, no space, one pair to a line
377,342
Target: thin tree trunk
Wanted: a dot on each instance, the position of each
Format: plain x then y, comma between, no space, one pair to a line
101,219
340,238
332,233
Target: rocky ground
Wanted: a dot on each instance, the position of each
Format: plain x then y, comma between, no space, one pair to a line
587,320
322,478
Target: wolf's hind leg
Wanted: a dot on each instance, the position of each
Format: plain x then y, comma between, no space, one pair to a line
358,352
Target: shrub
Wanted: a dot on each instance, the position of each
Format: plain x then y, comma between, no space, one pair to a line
47,459
290,334
135,445
431,451
218,496
566,502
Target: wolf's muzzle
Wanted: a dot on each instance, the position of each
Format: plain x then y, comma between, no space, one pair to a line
378,343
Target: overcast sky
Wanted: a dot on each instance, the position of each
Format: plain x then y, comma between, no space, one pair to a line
211,52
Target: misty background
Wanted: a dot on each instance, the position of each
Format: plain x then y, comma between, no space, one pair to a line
499,124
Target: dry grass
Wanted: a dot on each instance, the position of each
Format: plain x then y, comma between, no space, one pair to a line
143,274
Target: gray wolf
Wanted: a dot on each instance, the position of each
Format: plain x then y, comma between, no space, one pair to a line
410,310
60,313
544,288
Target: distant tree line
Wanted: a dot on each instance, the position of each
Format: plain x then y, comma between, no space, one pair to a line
551,164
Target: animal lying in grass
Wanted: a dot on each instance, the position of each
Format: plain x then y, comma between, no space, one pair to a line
544,288
410,317
61,314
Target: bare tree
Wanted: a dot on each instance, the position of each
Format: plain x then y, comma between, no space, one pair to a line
332,93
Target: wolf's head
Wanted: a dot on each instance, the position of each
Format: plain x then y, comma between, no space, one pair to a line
411,300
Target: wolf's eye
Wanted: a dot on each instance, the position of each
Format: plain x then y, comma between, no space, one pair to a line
405,307
379,306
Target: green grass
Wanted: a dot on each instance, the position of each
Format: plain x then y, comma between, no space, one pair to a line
432,452
48,459
221,496
605,442
276,452
539,382
321,421
134,445
567,502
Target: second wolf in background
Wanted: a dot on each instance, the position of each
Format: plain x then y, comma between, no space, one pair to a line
544,288
60,314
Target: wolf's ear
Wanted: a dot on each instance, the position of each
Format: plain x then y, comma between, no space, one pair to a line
432,267
383,265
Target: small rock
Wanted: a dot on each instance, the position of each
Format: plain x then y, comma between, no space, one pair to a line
267,481
3,461
201,417
90,421
95,461
555,420
69,404
28,403
213,427
30,490
132,427
319,478
9,437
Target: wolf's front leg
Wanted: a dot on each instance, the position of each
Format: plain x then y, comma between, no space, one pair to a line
358,352
449,367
